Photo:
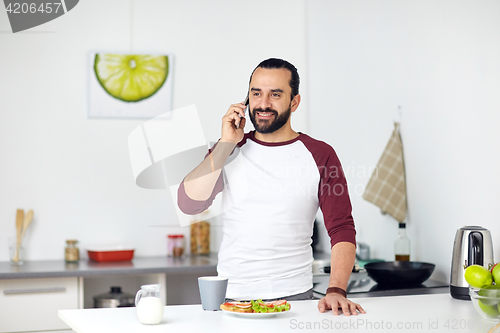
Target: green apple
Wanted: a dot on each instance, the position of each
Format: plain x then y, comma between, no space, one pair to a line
478,276
490,310
495,272
492,292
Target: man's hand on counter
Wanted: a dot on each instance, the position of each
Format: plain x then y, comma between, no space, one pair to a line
341,263
335,302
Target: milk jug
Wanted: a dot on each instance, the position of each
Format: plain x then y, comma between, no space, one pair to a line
149,305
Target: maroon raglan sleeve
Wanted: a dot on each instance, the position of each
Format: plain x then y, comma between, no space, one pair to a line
333,194
193,207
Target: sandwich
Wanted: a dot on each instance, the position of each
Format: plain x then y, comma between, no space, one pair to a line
237,307
257,306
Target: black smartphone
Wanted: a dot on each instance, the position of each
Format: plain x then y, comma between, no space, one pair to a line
246,103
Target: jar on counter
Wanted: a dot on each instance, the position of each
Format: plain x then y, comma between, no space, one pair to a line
200,238
71,252
175,245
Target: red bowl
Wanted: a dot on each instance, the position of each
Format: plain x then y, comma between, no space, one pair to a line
111,255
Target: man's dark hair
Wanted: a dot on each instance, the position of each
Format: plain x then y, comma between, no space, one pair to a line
274,63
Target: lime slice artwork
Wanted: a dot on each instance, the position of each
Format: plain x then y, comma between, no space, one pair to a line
130,77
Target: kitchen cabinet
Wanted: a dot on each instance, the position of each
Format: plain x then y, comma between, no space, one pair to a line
32,304
31,294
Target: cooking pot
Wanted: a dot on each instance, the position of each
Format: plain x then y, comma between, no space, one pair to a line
399,273
114,299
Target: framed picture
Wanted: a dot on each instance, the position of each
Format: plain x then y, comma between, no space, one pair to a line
129,85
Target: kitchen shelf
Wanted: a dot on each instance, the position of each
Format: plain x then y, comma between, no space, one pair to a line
190,264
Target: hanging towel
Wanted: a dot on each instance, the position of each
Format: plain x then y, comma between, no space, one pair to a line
386,187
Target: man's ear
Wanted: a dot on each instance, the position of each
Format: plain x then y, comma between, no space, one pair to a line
295,103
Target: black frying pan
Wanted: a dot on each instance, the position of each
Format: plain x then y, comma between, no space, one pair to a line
399,273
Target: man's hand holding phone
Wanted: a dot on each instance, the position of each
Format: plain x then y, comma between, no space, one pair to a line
233,123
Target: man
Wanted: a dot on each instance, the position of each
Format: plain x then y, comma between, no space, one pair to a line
265,250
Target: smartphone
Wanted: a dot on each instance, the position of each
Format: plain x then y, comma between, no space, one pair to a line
246,103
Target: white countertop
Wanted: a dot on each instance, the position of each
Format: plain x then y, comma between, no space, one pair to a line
418,313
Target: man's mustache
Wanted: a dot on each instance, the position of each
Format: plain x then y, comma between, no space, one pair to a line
268,110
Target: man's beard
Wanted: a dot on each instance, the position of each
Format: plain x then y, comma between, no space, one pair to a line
270,126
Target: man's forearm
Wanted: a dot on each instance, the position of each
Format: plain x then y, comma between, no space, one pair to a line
200,182
343,256
342,261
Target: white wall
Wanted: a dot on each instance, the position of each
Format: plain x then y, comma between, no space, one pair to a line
74,172
439,61
358,61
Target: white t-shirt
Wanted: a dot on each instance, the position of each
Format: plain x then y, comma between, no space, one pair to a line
273,191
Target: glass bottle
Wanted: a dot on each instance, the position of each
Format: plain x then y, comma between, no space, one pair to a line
402,244
71,252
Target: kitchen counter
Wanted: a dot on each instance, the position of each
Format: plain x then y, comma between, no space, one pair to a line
196,264
361,285
185,267
422,313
